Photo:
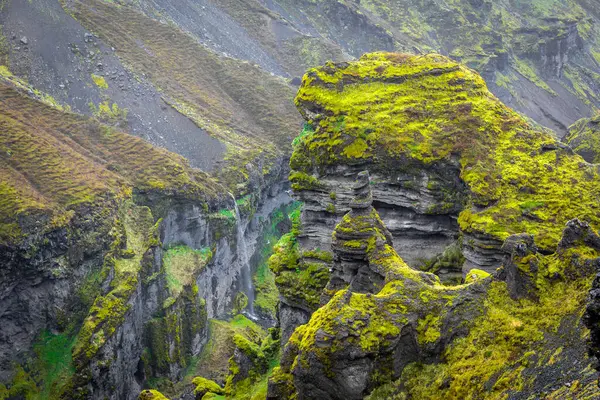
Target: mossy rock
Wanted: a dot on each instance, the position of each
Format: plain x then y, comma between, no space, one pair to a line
204,386
437,341
584,138
151,395
395,111
475,275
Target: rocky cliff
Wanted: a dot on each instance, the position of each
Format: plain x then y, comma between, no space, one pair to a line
114,254
427,125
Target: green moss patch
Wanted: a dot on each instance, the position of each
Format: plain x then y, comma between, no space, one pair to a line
182,264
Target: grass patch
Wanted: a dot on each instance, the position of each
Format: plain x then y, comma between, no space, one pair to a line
99,81
182,264
236,102
53,161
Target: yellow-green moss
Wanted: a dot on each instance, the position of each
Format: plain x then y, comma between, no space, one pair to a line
428,329
108,311
151,395
204,386
475,274
182,264
99,81
491,358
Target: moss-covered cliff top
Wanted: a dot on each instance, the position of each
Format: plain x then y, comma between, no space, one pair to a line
52,162
395,112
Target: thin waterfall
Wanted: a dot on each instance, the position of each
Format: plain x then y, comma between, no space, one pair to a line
242,253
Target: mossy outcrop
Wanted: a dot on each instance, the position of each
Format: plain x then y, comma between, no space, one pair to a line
412,337
358,241
151,395
367,333
416,338
584,138
402,114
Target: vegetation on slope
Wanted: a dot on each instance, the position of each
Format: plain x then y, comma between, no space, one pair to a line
298,280
54,162
67,173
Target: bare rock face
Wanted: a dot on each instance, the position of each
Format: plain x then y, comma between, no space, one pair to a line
360,233
520,265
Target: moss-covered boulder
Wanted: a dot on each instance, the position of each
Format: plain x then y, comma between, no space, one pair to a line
584,138
151,395
204,386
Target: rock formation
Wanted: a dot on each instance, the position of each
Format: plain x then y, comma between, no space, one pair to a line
375,324
387,330
376,339
584,138
356,241
446,161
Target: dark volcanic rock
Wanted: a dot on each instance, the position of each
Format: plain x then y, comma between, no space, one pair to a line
360,233
520,265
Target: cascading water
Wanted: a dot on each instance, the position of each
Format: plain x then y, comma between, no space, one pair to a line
242,253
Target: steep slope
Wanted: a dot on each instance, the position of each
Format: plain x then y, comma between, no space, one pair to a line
539,57
156,81
246,30
437,144
65,60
